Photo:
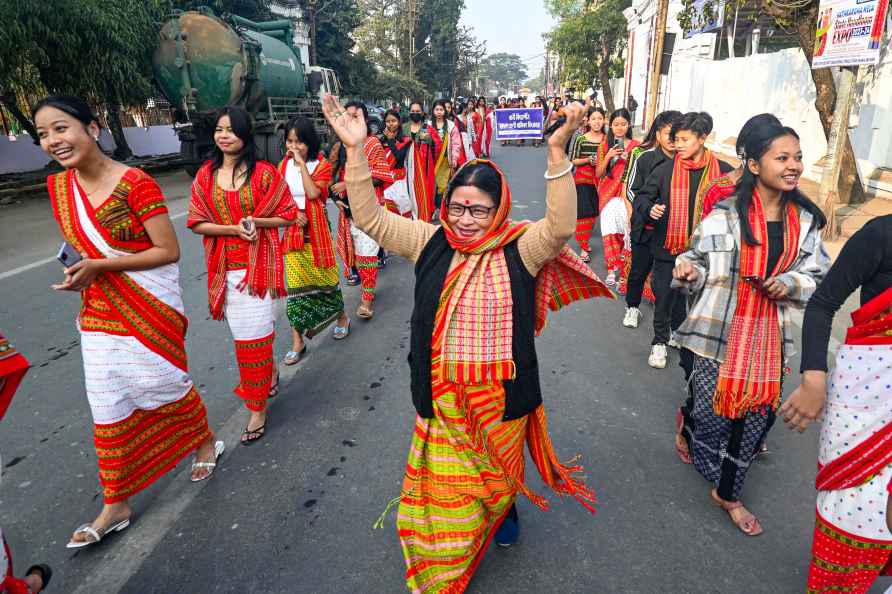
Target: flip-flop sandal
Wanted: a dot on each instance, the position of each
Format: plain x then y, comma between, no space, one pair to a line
748,523
258,433
274,389
96,534
219,448
45,571
684,454
341,332
294,357
365,312
585,257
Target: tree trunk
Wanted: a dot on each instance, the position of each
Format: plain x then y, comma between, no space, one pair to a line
122,149
8,99
604,77
851,190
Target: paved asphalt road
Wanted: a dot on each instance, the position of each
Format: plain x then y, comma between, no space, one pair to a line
294,513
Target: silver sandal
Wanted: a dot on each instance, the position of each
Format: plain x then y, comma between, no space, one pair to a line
219,448
96,535
341,332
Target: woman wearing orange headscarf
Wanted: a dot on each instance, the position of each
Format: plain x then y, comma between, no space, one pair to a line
479,274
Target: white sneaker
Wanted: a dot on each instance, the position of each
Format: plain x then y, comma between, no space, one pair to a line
632,317
658,355
672,342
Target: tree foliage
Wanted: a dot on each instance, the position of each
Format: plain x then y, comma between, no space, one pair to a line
590,38
444,57
504,71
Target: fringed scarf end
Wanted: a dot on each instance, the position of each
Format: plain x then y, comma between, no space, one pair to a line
380,521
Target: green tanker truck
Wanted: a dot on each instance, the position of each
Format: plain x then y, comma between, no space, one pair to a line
204,62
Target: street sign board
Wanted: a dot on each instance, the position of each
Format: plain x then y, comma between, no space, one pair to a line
519,123
706,21
849,32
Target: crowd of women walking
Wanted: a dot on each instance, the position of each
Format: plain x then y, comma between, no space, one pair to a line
724,253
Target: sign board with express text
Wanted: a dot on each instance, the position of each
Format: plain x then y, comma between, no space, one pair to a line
519,123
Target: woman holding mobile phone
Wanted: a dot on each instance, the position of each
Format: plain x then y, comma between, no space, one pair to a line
616,210
238,204
583,154
146,411
740,331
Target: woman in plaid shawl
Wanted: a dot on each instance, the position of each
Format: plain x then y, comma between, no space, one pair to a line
758,255
478,400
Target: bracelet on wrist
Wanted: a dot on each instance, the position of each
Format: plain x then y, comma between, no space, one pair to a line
561,174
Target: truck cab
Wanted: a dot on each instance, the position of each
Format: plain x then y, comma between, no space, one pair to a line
323,81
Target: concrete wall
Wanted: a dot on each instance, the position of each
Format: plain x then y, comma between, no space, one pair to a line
22,154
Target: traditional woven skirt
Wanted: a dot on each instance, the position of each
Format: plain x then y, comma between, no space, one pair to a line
314,297
253,325
465,469
147,415
461,479
722,449
852,543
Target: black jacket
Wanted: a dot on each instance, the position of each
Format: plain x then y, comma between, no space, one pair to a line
522,394
656,190
646,162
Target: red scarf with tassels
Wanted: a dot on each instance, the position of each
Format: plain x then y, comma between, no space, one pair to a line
750,376
317,220
677,231
476,304
265,195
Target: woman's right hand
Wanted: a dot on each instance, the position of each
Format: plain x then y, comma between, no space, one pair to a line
574,113
298,160
806,402
350,127
685,271
656,211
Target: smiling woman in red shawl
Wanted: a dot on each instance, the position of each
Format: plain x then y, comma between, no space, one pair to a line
480,274
238,204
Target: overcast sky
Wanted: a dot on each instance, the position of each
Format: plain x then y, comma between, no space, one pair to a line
513,27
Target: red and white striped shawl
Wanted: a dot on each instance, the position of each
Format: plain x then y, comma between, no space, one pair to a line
317,220
271,198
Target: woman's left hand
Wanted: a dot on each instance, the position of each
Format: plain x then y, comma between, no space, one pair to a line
301,220
775,289
81,275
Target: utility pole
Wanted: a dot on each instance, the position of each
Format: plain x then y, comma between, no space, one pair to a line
312,11
411,7
547,70
659,35
828,192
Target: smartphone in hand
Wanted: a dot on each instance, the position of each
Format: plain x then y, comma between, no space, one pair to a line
248,225
67,255
757,281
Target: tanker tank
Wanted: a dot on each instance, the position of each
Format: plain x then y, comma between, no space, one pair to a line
203,63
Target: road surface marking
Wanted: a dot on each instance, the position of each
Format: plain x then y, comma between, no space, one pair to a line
27,267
